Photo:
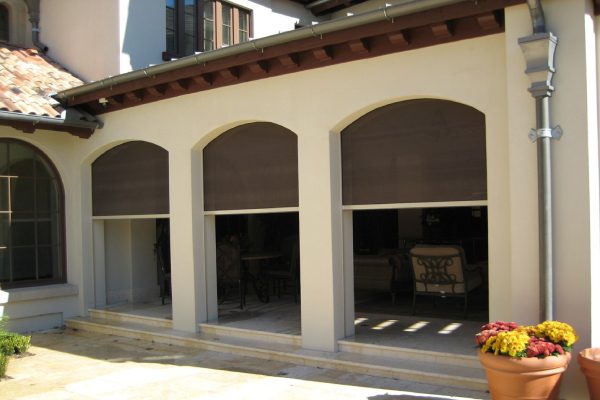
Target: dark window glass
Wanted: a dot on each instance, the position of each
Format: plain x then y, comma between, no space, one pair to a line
190,30
4,24
4,184
44,232
45,262
3,158
31,219
171,25
244,26
209,25
195,25
23,195
24,257
23,233
21,161
226,24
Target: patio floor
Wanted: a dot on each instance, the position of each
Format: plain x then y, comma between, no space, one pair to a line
441,328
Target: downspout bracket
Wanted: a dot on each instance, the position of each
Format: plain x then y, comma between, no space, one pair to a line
554,133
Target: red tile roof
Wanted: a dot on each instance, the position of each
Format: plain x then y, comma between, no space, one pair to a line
28,78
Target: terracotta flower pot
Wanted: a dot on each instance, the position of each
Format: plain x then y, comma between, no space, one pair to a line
525,378
589,361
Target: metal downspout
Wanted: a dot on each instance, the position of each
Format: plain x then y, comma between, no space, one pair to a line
33,7
538,50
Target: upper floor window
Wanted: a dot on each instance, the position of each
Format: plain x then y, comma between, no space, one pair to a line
31,217
202,25
4,24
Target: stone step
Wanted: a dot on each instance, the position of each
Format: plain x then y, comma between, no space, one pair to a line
415,370
223,331
99,314
403,353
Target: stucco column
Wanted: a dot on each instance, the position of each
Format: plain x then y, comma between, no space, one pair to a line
188,279
321,267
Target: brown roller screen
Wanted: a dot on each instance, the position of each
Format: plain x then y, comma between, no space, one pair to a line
415,151
131,179
251,166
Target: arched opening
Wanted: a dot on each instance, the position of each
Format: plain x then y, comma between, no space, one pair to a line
130,208
251,199
414,187
32,248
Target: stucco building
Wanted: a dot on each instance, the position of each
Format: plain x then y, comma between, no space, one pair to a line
318,112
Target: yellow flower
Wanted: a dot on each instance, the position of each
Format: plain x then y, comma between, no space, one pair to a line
556,332
507,343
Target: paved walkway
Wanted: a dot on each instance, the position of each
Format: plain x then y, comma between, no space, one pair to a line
75,365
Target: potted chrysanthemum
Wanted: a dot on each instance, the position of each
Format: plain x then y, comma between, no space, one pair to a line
525,361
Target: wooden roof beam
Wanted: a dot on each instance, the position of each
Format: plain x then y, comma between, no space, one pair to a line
259,67
322,54
134,97
488,21
202,80
399,38
441,30
180,85
359,45
156,91
229,73
288,60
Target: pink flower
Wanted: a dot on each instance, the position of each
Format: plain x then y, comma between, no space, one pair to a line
483,336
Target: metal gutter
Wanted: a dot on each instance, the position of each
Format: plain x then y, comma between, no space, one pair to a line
387,13
71,120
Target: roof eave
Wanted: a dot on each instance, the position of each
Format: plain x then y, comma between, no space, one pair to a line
72,121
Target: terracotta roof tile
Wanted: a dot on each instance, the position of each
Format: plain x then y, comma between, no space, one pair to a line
28,78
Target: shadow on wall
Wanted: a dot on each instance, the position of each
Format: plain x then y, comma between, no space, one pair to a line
144,39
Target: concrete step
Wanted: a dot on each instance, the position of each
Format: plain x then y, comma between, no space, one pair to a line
223,331
409,369
403,353
99,314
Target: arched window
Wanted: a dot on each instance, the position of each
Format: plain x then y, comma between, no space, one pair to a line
4,23
31,217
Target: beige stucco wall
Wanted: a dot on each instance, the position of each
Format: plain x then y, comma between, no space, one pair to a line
82,35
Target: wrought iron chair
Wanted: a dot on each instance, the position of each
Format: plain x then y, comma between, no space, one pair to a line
441,271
